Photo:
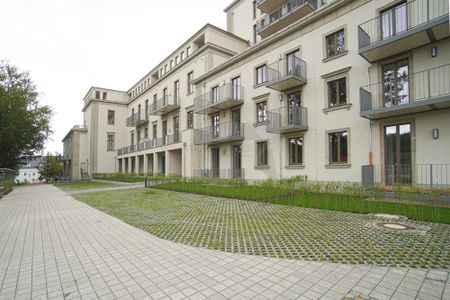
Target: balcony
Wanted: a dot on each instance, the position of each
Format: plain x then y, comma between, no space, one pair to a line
287,119
267,6
417,23
164,105
223,133
227,96
220,173
284,16
286,73
419,92
148,144
137,119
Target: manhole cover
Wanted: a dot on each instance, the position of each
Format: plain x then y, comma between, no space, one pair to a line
395,226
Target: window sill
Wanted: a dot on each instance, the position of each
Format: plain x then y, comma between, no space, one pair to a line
259,124
257,85
335,56
294,167
337,107
338,166
262,167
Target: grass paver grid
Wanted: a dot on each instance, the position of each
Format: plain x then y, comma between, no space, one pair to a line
275,230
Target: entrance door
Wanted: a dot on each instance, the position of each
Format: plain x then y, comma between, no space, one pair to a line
397,140
236,122
294,104
215,163
396,83
236,171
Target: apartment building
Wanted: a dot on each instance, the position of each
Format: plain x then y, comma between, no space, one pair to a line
333,90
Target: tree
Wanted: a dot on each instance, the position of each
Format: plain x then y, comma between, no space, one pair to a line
51,167
24,123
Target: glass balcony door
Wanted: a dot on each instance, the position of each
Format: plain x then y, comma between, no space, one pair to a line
397,140
236,171
236,85
396,83
294,104
394,21
215,152
236,122
293,62
215,126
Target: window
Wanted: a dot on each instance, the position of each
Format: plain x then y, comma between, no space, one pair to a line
132,138
337,92
177,60
261,74
110,142
146,133
293,62
261,112
188,51
394,21
215,126
335,43
190,119
111,117
396,83
138,136
254,10
154,131
97,94
146,110
215,94
261,154
236,86
105,95
255,34
183,56
190,86
295,146
338,147
171,64
176,91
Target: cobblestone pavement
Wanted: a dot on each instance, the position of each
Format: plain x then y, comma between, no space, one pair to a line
52,246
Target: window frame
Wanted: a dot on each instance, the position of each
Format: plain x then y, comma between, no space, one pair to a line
290,161
190,86
335,31
257,116
329,149
338,94
263,80
263,161
190,119
111,121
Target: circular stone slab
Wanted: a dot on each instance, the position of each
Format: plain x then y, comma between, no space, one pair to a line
394,226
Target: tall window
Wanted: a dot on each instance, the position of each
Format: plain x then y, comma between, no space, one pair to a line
188,51
396,83
295,150
146,133
177,60
254,34
176,91
338,145
138,136
111,117
293,62
261,154
261,111
394,21
105,95
335,43
215,126
236,86
190,86
183,55
132,139
337,92
254,9
146,110
190,119
215,94
171,64
155,131
261,74
110,142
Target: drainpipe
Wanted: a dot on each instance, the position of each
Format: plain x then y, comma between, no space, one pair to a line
370,122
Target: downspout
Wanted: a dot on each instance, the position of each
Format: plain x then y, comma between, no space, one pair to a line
370,123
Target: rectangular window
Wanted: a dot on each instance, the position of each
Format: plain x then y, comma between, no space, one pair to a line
105,95
177,60
261,154
171,64
236,86
255,34
176,91
190,86
394,20
188,51
155,131
261,111
138,136
215,126
261,74
295,146
132,138
146,133
183,56
335,43
338,146
190,119
337,92
254,10
97,94
215,94
111,117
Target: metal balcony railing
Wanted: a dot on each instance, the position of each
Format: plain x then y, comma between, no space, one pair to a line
286,73
139,117
220,173
164,105
224,132
283,12
407,91
147,144
285,119
408,16
225,97
433,176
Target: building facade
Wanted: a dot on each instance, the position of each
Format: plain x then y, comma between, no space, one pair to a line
333,90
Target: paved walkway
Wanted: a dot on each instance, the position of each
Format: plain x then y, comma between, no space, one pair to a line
105,189
52,246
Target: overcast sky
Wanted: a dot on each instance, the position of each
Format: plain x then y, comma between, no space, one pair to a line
70,45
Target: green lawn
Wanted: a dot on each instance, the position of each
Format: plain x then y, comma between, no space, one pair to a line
285,231
349,201
73,186
121,177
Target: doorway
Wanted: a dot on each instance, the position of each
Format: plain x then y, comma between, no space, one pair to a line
215,162
397,158
236,171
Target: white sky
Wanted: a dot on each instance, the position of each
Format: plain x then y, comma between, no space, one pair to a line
70,45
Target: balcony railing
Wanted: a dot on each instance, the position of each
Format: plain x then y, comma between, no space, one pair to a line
227,96
287,119
407,26
137,119
285,15
164,105
286,73
418,92
148,144
224,132
268,6
432,176
220,173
